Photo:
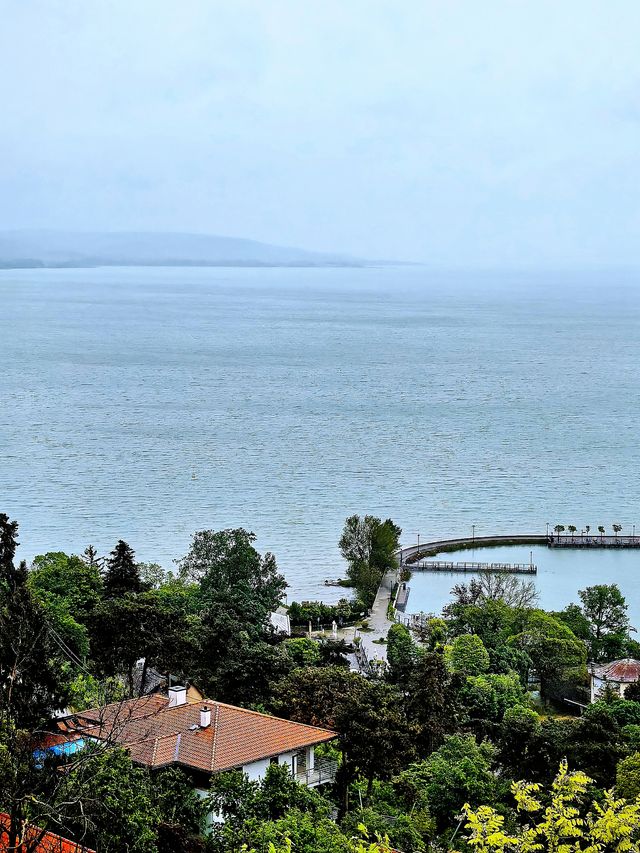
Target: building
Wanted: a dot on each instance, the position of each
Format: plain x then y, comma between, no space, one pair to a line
38,841
201,738
617,675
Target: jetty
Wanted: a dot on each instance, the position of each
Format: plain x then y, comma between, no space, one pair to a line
580,540
411,554
496,568
446,566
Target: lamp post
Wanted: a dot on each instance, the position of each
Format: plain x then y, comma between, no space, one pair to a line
473,535
418,551
634,534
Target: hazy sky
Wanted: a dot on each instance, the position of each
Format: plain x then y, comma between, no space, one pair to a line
472,132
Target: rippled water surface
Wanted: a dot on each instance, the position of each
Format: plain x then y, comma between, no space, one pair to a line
297,397
561,573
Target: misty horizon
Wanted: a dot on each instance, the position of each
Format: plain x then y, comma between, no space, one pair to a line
492,136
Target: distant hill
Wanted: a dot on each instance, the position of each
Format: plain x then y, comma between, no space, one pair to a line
33,249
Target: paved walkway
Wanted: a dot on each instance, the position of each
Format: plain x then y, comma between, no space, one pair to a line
378,621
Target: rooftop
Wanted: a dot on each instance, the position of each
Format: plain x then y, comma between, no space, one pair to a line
623,671
157,735
49,842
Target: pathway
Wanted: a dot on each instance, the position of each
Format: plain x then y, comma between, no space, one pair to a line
378,621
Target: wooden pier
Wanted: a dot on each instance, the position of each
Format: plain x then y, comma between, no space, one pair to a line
494,568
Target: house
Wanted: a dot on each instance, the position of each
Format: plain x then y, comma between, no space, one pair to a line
46,842
618,675
201,738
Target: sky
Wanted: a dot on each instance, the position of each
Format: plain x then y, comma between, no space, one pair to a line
452,132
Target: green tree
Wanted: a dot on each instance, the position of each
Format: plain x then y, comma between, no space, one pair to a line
67,578
486,698
431,701
401,654
468,655
115,810
459,772
375,736
369,546
232,573
605,609
122,574
302,651
517,738
182,811
628,777
558,656
32,684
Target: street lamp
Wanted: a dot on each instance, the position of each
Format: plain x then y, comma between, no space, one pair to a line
473,535
634,534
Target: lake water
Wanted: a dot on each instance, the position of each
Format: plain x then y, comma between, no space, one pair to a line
561,573
299,396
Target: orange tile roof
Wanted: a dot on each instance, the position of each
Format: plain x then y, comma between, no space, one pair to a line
49,843
157,735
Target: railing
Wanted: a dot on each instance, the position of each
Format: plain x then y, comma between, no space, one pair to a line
446,566
323,771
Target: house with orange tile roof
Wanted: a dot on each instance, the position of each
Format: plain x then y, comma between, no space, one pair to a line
37,840
200,737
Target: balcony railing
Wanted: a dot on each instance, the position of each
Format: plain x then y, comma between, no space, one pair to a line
323,771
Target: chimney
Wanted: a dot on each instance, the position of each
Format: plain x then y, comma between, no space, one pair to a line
177,696
205,717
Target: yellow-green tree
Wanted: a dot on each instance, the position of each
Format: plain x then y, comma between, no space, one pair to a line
563,826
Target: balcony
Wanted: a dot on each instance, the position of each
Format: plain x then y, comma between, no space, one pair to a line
324,771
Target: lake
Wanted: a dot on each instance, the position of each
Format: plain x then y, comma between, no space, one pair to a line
145,404
561,573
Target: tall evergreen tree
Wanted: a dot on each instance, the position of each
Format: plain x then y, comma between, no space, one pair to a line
122,573
31,687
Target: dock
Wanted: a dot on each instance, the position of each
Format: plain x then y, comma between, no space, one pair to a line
494,568
579,540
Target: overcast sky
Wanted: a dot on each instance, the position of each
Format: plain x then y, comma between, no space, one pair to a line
472,132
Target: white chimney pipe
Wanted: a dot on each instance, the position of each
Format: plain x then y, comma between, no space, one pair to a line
177,696
205,717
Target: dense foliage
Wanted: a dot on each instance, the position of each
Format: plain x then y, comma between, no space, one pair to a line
429,751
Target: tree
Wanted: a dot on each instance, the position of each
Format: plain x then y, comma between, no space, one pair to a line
375,735
68,578
490,586
116,811
401,654
369,546
182,810
486,698
517,738
32,685
605,609
134,627
587,528
559,528
122,574
459,772
628,777
468,655
557,654
616,528
432,701
601,531
608,826
572,528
